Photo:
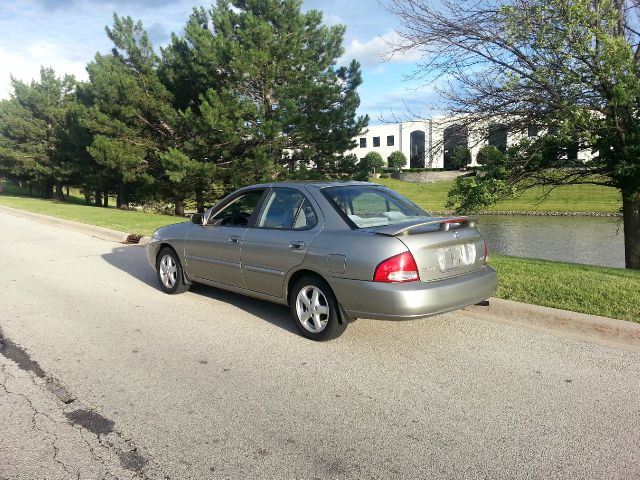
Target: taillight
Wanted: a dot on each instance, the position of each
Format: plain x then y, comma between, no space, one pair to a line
399,268
486,253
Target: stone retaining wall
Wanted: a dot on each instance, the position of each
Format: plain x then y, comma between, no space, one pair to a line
541,214
427,177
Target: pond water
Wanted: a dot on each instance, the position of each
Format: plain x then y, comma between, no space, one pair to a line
591,240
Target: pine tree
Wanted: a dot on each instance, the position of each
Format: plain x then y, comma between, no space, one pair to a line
269,72
33,124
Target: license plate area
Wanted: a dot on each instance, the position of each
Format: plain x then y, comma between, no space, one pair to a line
457,256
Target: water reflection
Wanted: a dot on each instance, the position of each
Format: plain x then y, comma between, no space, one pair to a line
592,240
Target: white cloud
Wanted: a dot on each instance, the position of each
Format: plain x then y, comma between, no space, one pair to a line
377,50
25,65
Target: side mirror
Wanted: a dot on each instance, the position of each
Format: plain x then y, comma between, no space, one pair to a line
197,218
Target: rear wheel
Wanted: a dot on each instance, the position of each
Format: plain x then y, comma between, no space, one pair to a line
315,309
170,272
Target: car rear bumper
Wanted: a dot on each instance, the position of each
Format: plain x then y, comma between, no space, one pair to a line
404,301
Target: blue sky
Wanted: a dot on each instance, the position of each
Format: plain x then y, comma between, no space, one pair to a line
66,34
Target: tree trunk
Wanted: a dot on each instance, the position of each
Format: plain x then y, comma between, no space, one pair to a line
121,199
47,191
631,213
179,208
30,189
67,190
199,202
98,197
105,203
87,197
59,192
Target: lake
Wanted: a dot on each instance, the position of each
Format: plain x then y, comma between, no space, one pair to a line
591,240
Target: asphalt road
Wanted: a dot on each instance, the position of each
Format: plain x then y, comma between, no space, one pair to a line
210,384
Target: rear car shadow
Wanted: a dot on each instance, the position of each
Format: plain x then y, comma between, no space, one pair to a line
133,261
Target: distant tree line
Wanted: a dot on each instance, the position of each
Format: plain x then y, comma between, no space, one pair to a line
249,92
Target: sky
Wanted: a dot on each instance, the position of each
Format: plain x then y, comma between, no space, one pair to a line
66,34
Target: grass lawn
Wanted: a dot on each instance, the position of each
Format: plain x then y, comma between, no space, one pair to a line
129,221
574,198
609,292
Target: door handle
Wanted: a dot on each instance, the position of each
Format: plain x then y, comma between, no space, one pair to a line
296,245
234,239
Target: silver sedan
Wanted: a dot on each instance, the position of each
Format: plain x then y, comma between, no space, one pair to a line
332,251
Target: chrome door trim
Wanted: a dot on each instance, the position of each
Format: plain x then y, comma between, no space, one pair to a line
270,271
211,260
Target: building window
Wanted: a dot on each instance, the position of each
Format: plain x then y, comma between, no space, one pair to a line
498,136
533,131
417,149
363,142
376,141
390,140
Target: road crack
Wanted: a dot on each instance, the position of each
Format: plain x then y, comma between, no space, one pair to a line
84,421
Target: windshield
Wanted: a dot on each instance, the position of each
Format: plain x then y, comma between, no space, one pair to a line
372,206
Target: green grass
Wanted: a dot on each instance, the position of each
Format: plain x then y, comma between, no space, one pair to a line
130,221
573,198
609,292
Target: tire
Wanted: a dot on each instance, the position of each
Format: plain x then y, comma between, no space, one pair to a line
169,272
323,325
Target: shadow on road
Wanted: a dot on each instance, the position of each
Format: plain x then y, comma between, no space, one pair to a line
133,260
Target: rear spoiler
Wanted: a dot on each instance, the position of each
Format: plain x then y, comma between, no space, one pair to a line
443,223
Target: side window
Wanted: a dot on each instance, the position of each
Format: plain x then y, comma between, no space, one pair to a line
287,209
306,217
238,212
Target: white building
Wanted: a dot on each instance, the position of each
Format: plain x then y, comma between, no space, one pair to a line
429,143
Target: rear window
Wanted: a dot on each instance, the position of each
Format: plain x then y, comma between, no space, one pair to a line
371,206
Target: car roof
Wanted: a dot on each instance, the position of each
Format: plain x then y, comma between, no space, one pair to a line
315,183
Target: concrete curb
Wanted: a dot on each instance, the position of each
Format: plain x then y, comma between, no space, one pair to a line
99,232
602,330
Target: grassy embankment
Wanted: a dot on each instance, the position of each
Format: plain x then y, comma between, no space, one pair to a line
130,221
610,292
574,198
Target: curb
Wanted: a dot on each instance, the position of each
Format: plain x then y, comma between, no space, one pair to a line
102,233
592,328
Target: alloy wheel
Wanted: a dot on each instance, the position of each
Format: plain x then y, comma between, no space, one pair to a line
168,271
312,309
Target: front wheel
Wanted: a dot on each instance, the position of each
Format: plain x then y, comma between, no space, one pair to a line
170,272
315,310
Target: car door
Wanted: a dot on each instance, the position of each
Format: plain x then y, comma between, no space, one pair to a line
212,251
282,234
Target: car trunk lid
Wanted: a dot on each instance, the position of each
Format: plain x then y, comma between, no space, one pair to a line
442,247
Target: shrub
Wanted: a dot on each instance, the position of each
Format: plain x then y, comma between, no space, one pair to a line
397,160
371,162
490,156
461,157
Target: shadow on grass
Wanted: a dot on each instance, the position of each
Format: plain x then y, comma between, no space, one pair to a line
133,260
